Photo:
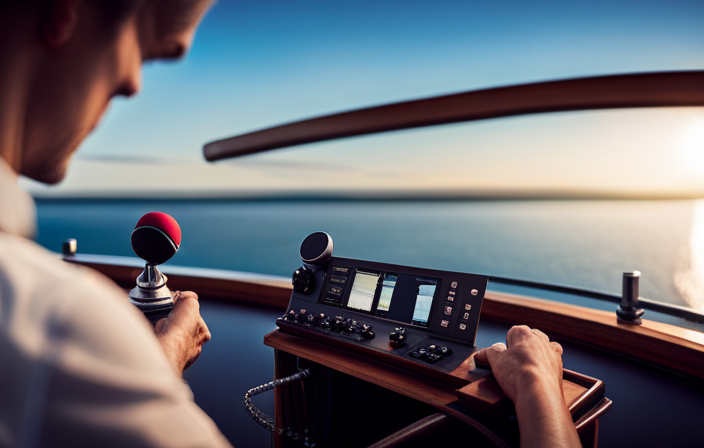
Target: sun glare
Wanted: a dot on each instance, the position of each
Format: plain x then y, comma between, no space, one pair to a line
692,146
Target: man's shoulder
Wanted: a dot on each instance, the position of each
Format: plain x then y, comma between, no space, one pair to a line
81,313
30,273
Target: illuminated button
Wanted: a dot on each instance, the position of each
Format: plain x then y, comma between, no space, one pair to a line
341,270
448,310
453,285
335,291
452,293
475,292
444,323
463,327
450,298
467,307
340,280
466,316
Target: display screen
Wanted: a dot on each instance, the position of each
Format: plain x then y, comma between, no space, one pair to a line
363,290
424,301
387,291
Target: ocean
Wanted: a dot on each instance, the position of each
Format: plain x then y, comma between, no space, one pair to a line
588,244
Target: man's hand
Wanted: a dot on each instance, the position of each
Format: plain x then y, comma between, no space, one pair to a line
529,370
184,332
529,361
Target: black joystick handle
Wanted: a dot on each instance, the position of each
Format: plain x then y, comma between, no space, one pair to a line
316,249
155,239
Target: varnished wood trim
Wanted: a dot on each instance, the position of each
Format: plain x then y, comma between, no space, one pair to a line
210,284
664,345
593,415
435,393
684,88
661,344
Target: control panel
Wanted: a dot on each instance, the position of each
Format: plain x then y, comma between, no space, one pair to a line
415,316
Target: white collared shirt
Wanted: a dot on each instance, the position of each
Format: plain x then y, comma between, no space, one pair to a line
79,365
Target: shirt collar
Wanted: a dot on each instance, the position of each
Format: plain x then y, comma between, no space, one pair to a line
17,210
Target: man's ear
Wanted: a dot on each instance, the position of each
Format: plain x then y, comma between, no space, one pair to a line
60,21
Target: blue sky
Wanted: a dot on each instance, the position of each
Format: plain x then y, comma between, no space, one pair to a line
257,64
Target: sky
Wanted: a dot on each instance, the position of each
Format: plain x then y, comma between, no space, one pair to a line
259,64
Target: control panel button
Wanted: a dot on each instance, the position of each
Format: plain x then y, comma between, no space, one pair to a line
453,285
448,310
463,326
475,292
467,307
465,316
341,270
335,291
432,353
302,316
444,323
397,338
340,280
450,298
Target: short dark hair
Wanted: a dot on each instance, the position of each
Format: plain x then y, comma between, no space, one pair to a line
113,12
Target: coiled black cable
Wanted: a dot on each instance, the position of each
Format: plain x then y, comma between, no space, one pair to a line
261,418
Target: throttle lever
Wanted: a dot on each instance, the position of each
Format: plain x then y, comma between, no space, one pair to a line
155,239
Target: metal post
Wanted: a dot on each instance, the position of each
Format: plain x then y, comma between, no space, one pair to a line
628,311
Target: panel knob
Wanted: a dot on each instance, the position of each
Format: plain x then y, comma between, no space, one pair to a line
397,338
303,280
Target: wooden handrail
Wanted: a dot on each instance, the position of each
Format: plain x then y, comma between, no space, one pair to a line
667,346
665,89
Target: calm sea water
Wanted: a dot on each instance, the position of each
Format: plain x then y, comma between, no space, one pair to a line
579,243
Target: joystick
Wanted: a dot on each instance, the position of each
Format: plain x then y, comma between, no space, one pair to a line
316,250
155,239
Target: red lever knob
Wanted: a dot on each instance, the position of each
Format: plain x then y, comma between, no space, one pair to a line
156,238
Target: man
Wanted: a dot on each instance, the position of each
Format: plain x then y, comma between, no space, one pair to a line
80,365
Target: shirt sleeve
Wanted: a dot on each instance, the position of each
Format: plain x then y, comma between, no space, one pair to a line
108,383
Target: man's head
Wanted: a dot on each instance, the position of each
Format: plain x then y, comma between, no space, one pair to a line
74,57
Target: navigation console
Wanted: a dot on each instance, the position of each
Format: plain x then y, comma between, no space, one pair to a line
425,316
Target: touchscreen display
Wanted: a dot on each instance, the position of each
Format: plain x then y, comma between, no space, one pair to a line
387,291
424,300
363,290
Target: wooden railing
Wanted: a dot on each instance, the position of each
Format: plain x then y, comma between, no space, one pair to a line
667,346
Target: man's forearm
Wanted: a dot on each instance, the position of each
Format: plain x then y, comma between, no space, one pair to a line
544,420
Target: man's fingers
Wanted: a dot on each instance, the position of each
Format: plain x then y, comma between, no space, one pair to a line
485,355
206,333
517,333
557,347
160,325
179,296
185,302
497,347
541,335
